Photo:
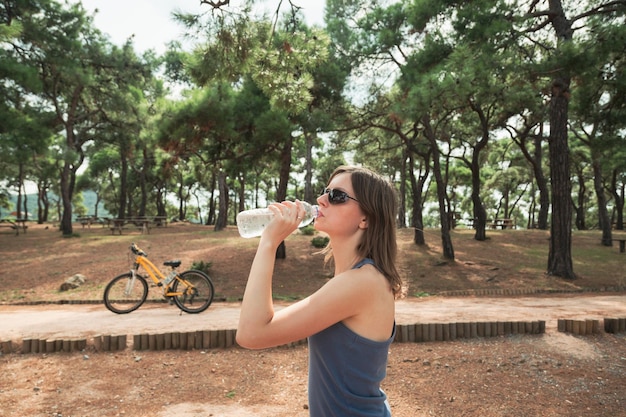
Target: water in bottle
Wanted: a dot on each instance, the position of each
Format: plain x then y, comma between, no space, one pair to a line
252,222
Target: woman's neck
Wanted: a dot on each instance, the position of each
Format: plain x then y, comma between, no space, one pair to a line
345,256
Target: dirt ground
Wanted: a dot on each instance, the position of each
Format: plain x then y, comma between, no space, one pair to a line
550,375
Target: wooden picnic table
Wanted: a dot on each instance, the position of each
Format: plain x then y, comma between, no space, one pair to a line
87,221
503,224
144,223
119,224
8,223
15,224
21,224
160,221
622,243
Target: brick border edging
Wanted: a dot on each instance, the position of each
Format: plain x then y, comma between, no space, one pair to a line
225,338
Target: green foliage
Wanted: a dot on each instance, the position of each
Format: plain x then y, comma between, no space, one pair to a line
320,241
203,266
78,202
284,71
421,12
308,230
71,235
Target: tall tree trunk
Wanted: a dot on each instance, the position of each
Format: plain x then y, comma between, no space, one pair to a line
417,188
560,252
536,162
20,183
143,181
96,204
478,209
309,193
281,193
24,213
479,212
618,195
603,213
68,181
68,173
42,203
241,192
220,222
159,201
402,206
444,218
559,257
66,199
211,217
542,184
181,200
579,205
121,210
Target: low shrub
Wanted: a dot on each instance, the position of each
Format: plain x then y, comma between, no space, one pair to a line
202,266
308,230
320,241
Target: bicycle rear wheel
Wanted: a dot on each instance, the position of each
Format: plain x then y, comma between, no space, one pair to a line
196,291
125,293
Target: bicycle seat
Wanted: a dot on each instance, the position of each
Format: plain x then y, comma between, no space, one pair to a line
173,264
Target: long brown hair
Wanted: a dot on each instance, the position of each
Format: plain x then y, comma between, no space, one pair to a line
378,201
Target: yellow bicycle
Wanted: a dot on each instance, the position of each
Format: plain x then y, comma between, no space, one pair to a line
192,291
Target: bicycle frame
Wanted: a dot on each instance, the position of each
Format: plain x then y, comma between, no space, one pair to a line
157,276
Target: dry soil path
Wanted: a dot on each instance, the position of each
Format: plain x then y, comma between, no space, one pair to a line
69,321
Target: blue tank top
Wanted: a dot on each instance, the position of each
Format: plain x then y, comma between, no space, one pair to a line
345,371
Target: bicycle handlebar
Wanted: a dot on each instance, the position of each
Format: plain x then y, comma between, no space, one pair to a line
135,249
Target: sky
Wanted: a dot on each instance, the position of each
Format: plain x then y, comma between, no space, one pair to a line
151,23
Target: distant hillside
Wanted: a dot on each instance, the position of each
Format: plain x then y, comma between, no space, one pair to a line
89,200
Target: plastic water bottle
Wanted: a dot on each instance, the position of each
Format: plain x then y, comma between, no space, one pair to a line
252,222
169,278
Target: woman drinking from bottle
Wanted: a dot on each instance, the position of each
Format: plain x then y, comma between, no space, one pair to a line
349,321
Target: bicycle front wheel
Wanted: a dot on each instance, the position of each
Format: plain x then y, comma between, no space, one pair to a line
125,293
194,291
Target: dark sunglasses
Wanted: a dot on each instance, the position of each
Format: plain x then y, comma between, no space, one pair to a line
337,196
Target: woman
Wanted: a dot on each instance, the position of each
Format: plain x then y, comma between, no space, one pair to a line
350,320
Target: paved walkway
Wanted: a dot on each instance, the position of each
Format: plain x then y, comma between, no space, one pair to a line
73,321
